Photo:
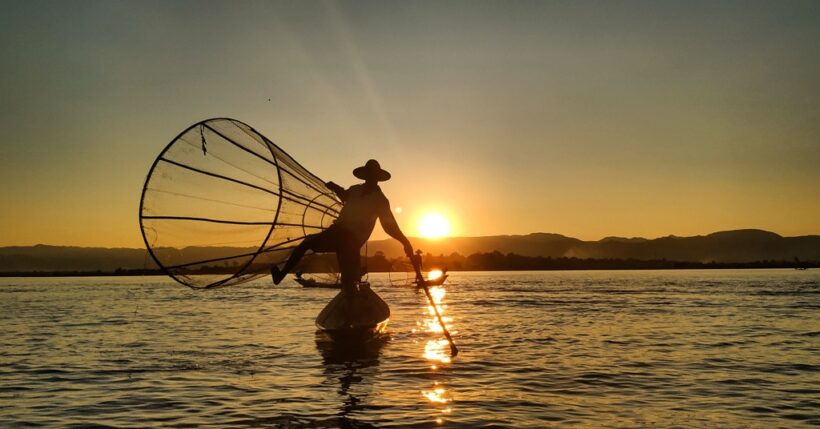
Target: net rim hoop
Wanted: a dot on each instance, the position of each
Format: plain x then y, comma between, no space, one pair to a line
278,204
151,172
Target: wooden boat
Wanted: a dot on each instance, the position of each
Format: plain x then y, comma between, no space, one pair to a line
441,276
354,315
317,284
438,281
313,283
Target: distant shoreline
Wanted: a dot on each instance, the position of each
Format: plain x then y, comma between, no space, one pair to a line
679,266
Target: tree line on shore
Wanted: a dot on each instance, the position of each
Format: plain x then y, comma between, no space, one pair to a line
489,261
497,261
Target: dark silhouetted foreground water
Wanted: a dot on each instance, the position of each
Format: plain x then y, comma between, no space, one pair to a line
723,349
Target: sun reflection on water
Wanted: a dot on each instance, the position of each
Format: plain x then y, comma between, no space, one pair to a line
436,395
436,351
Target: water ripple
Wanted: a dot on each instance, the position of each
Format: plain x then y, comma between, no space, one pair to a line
684,349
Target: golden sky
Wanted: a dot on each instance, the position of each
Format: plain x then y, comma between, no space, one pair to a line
588,119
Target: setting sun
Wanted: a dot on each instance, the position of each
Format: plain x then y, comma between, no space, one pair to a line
434,225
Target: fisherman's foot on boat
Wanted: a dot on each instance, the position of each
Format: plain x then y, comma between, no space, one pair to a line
276,274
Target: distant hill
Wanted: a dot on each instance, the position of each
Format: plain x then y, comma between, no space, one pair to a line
64,258
746,245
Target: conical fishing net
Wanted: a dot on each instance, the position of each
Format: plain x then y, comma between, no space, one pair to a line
222,203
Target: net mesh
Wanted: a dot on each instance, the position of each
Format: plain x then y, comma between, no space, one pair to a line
222,203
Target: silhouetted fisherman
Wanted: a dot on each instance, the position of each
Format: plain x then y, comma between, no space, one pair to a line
363,204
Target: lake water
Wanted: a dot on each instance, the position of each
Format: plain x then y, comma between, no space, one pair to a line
699,349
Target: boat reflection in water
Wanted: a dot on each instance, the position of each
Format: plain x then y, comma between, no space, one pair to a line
437,352
352,364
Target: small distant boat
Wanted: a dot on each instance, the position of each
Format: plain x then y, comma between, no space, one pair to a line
354,315
800,265
434,278
311,283
331,282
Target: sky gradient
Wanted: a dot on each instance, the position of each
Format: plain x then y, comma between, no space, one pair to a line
588,119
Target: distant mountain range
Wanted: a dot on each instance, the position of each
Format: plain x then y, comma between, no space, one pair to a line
746,245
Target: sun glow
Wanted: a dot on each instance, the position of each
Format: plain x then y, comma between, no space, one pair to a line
434,225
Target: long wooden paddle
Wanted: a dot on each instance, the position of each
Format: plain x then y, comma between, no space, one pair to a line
421,282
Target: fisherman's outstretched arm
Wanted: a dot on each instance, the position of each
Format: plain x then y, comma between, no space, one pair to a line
391,227
338,190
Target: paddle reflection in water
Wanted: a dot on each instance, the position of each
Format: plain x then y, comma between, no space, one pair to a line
437,351
353,364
